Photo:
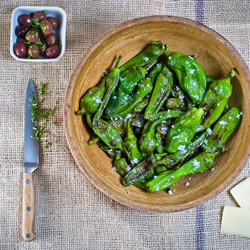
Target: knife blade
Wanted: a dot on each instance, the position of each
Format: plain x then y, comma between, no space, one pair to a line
31,163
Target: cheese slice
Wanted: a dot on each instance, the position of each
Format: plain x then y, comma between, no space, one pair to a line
236,220
241,193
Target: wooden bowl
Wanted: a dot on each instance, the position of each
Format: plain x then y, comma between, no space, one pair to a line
216,55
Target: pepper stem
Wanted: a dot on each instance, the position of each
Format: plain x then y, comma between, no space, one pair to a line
118,62
81,111
232,73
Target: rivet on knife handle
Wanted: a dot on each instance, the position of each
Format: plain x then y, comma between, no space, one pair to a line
28,213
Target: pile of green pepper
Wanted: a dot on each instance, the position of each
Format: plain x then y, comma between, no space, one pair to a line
160,117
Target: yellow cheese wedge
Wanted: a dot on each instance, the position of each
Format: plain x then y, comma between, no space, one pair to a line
241,193
236,220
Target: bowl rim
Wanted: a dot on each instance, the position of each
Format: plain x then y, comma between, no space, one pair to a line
68,125
62,32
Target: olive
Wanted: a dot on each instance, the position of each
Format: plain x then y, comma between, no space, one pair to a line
20,50
54,22
32,36
46,27
20,40
33,51
39,16
51,39
20,31
51,52
24,20
42,49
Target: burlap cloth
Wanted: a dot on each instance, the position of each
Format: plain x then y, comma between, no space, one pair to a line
71,213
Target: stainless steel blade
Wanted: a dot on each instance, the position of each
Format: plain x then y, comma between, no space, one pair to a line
31,147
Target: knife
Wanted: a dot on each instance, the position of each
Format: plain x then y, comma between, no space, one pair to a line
31,163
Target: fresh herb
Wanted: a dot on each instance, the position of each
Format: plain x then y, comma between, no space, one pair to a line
41,117
26,29
39,43
27,43
35,23
45,12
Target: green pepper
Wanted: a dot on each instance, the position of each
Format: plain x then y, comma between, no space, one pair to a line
90,102
146,56
162,88
143,88
215,100
141,106
140,172
159,145
183,129
223,128
155,71
106,132
121,166
175,103
160,169
130,146
191,76
111,83
183,152
111,152
148,142
200,163
119,125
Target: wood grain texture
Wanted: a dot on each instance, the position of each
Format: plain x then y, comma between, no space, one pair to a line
28,211
216,55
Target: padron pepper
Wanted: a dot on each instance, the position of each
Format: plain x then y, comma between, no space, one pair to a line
175,103
106,132
155,71
200,163
90,102
130,146
215,100
138,174
223,128
121,166
191,76
150,53
148,142
183,129
183,152
110,84
162,89
127,83
111,152
143,88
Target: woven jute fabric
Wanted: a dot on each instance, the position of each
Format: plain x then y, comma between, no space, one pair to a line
70,212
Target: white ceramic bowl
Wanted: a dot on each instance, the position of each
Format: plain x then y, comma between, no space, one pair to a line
56,12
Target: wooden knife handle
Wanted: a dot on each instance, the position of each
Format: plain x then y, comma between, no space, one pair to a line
28,212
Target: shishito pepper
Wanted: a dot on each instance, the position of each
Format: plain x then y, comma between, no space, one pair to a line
150,53
162,88
215,100
200,163
90,102
183,129
106,132
183,152
175,103
130,145
223,128
110,84
191,76
143,88
148,142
